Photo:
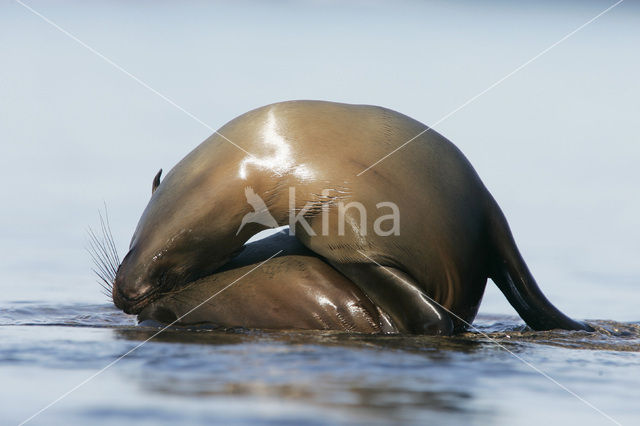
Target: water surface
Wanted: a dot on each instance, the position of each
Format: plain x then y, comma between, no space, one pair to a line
247,376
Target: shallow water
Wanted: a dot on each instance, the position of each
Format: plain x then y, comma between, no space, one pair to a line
238,376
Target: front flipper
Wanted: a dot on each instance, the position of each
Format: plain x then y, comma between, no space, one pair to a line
397,294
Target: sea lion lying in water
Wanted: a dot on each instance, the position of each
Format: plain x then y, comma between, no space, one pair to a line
307,158
295,290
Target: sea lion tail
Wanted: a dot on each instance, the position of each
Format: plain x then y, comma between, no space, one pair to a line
510,273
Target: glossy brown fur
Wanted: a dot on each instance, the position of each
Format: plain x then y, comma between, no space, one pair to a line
296,290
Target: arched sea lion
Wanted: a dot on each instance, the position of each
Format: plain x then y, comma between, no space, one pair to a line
306,157
295,290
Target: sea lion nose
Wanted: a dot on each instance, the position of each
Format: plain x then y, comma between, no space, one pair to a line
133,292
126,296
129,286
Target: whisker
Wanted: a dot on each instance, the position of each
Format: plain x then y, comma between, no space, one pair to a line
100,262
106,245
110,235
101,274
107,238
100,246
104,281
99,269
103,253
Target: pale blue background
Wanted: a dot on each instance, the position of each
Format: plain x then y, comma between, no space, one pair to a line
557,143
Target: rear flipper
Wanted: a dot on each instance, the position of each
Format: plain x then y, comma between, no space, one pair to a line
511,275
396,293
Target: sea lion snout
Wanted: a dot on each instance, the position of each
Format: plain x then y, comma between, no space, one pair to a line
143,277
131,291
131,300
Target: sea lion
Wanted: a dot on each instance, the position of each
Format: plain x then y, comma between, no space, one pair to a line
295,290
303,158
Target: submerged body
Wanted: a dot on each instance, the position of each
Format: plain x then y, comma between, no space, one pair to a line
429,277
295,290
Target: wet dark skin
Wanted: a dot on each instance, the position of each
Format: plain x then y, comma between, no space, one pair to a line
294,290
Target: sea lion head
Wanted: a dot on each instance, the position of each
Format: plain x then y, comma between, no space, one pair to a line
182,236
